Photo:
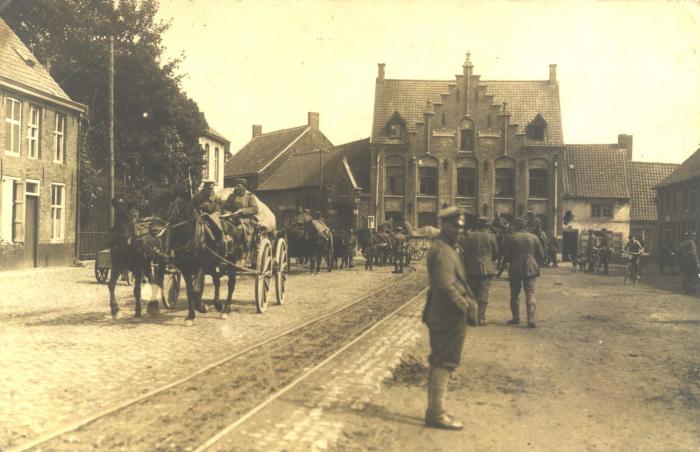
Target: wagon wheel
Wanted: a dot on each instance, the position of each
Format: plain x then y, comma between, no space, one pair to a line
101,273
263,278
281,269
171,289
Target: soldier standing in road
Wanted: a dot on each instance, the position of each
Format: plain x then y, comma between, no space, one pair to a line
524,254
605,251
480,254
667,255
447,312
688,251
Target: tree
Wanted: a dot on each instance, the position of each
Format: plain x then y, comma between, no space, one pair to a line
157,126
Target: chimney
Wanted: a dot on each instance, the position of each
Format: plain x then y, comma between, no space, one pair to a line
553,73
625,142
313,120
380,71
257,130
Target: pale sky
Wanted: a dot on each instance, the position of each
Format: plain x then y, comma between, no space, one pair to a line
629,67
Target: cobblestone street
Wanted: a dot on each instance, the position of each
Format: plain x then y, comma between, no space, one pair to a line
64,358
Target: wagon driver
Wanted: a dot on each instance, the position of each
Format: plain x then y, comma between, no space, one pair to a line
244,207
449,304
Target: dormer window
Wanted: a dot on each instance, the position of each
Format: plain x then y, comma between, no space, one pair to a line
466,135
537,128
395,131
394,126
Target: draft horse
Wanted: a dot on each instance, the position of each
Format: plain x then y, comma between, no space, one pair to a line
133,247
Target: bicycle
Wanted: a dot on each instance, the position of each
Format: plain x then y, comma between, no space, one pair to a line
634,278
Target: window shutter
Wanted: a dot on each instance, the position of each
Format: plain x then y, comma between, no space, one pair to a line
18,214
6,210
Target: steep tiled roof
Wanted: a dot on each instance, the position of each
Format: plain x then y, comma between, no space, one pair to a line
526,99
689,169
262,150
302,168
214,134
17,64
408,97
642,177
595,171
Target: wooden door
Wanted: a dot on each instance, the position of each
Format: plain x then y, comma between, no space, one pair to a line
31,231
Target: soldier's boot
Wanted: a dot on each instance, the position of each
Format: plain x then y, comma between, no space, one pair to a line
435,415
531,315
515,311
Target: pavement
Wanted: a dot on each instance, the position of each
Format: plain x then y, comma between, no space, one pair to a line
64,358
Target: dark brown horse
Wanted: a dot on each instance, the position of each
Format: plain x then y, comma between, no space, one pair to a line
199,247
133,247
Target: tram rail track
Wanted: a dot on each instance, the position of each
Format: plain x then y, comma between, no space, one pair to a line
223,390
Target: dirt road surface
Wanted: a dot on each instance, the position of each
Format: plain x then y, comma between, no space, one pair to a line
608,368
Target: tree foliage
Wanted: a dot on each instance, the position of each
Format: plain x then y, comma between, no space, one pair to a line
157,125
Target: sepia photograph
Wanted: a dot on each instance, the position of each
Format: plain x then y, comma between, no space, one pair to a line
349,225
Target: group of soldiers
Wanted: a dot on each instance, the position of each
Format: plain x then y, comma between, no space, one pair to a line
460,269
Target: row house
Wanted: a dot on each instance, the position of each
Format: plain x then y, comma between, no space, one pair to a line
678,201
266,152
339,177
38,163
485,146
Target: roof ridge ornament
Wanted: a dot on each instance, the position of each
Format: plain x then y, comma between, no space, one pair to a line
468,60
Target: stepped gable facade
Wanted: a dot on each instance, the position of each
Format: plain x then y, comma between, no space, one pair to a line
484,146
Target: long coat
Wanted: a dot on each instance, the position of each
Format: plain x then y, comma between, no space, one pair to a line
689,254
480,253
449,296
524,254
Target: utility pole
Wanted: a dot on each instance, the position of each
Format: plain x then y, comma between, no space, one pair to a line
110,128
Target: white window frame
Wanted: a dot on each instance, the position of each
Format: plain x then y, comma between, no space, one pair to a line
14,122
59,139
206,161
216,165
54,208
34,133
7,208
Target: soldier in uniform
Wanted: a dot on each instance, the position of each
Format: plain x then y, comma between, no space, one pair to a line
398,248
205,199
303,217
688,251
524,254
401,222
605,251
667,255
480,254
450,306
243,206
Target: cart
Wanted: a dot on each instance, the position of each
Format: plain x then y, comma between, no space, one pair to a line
417,246
171,278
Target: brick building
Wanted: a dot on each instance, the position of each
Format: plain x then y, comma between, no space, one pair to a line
678,200
643,176
266,152
38,163
485,146
215,146
335,182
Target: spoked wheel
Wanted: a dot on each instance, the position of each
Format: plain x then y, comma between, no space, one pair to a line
101,273
281,269
263,278
171,289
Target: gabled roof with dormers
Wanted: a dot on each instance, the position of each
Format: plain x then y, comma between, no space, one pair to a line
525,100
20,71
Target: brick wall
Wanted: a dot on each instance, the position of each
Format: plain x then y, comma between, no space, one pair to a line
44,171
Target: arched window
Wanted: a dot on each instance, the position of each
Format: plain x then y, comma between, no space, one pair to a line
466,135
216,164
205,173
394,179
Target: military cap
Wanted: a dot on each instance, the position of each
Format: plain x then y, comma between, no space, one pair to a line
451,214
483,221
686,234
520,223
239,181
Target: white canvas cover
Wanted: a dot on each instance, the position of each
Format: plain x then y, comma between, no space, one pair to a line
265,216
